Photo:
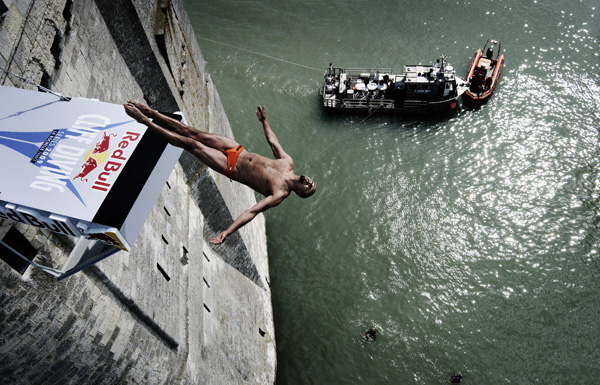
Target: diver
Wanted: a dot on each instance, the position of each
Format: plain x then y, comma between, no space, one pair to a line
273,178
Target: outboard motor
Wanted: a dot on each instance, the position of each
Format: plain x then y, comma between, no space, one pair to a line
489,53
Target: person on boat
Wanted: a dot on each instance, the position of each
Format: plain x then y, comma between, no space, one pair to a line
489,53
456,378
487,84
273,178
371,334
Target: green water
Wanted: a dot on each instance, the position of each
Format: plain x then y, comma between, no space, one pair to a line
469,240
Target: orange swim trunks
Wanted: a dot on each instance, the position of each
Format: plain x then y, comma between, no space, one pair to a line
232,157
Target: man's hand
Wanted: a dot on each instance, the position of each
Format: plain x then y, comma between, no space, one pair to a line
261,114
278,151
218,239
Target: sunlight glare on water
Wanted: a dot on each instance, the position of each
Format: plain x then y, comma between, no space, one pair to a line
469,240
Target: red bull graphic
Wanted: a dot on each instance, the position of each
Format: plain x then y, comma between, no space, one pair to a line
81,168
88,166
112,162
94,157
102,146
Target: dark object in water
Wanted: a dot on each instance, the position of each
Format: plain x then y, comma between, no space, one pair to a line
371,334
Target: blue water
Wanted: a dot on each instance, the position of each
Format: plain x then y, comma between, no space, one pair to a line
469,240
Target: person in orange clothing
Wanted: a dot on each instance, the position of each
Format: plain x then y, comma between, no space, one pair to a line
273,178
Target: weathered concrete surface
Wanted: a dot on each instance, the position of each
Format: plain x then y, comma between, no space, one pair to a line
175,309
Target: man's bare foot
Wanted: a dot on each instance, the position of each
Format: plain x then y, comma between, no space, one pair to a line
135,113
144,109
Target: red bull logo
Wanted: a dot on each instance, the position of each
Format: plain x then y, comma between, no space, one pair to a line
94,157
101,155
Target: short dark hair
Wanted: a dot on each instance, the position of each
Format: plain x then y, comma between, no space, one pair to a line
304,195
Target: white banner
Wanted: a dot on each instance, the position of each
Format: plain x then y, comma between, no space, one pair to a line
62,160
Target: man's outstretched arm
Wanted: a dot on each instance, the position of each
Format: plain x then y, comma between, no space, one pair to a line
248,215
276,147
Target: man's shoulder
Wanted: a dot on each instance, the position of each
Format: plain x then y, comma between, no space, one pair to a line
273,200
284,165
281,192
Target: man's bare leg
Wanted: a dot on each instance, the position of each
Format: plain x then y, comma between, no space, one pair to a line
171,137
215,141
213,158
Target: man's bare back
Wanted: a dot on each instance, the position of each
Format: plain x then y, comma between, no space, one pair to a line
273,178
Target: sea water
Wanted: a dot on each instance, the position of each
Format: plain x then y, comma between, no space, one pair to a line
469,239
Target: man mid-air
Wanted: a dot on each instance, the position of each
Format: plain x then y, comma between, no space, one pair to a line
273,178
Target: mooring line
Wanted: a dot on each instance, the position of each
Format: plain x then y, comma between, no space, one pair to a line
299,65
327,147
261,54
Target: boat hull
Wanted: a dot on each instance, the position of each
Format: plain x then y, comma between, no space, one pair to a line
404,107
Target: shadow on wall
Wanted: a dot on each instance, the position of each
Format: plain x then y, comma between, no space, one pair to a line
205,192
127,31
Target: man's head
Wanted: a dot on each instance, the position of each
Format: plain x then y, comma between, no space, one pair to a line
305,187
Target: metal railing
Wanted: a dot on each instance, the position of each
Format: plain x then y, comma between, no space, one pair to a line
370,71
368,103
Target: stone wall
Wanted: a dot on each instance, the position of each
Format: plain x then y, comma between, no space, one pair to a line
174,310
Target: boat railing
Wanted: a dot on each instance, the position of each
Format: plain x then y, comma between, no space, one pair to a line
371,71
368,103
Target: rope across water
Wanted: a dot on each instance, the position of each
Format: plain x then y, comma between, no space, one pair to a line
261,54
